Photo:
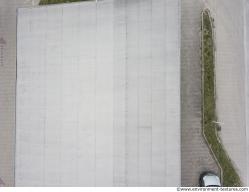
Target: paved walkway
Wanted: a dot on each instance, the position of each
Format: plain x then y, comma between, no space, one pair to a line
7,86
195,155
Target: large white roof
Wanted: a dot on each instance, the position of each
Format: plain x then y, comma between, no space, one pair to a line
98,94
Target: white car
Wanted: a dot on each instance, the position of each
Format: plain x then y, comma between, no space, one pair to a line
209,179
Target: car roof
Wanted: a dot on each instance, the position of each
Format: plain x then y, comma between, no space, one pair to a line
211,180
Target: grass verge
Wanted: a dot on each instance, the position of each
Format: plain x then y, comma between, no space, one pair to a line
229,174
47,2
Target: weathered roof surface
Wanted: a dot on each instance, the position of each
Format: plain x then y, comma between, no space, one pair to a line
1,183
98,94
2,41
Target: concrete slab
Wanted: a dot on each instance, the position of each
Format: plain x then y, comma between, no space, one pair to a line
246,46
98,94
8,86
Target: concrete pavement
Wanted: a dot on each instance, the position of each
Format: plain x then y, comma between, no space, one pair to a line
7,86
98,94
230,82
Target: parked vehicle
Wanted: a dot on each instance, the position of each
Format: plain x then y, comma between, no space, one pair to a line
209,179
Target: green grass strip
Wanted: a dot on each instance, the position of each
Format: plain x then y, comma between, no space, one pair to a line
230,176
47,2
